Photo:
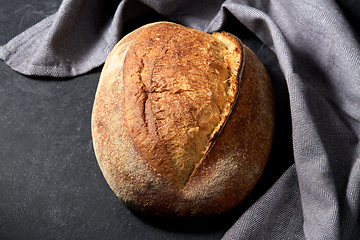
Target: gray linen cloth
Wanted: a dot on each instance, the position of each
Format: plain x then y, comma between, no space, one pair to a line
318,197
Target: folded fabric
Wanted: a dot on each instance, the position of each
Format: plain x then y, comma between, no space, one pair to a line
319,54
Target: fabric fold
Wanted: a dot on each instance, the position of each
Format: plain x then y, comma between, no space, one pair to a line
71,42
276,215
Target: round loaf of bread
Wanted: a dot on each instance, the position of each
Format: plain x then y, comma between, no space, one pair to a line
183,120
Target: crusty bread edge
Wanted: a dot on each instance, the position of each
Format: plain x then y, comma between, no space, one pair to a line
143,188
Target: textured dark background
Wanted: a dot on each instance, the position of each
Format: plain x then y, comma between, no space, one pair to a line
50,184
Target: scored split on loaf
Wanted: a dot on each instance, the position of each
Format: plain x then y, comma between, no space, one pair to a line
182,121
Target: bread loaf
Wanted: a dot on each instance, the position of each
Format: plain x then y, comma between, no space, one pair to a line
182,121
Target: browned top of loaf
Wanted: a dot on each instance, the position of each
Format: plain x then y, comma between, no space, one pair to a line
179,85
132,155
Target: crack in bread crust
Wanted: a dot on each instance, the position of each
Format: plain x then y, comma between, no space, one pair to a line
130,149
177,96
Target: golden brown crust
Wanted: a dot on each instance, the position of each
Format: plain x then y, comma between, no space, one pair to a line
133,153
176,89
